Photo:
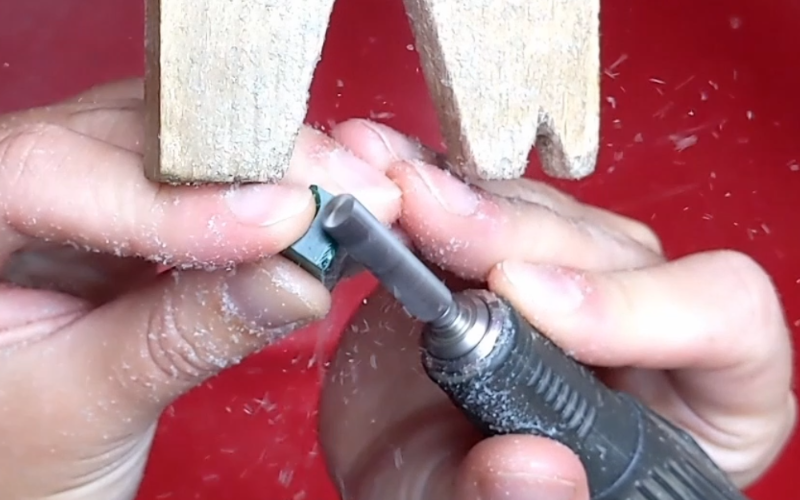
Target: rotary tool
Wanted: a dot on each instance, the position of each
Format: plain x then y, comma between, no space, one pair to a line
508,378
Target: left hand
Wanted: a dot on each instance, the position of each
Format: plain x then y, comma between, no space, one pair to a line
94,341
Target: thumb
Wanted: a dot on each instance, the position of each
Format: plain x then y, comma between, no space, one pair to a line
521,468
426,467
153,345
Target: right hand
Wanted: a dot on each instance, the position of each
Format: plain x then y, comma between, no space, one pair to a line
702,340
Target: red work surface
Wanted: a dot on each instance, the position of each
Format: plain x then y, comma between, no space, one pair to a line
700,139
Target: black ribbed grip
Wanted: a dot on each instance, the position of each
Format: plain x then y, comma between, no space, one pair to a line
528,385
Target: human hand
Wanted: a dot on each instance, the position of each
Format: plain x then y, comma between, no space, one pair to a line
701,340
95,343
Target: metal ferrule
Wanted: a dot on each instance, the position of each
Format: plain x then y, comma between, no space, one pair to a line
467,332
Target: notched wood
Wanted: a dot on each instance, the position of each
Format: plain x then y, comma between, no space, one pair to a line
227,86
505,74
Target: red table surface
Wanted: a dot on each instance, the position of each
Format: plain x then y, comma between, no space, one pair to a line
699,139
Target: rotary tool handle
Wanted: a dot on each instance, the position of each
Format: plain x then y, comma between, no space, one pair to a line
528,385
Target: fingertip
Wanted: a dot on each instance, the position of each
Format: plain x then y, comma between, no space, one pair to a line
273,294
223,225
434,190
386,210
340,167
131,88
415,200
445,218
519,466
360,137
560,301
524,454
401,173
559,290
378,144
498,282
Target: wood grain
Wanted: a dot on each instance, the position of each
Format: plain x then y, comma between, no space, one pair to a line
508,74
227,86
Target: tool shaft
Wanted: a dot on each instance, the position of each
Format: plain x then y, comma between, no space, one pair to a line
373,245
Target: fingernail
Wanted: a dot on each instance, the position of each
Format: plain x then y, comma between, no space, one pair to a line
397,145
266,204
452,194
274,296
356,176
555,289
525,487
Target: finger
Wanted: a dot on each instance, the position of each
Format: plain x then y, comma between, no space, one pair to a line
119,123
319,159
449,223
118,211
418,459
112,113
131,88
521,468
149,347
715,310
379,145
28,315
541,194
62,186
382,146
430,459
386,430
374,383
712,319
95,277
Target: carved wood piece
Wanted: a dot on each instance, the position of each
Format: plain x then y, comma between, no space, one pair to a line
508,74
227,86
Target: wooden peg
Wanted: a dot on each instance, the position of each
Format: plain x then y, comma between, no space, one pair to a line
226,86
508,74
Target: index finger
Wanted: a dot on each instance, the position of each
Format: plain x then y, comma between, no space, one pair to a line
468,230
69,186
712,322
63,186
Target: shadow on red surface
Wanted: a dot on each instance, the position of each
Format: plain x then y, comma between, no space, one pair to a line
700,140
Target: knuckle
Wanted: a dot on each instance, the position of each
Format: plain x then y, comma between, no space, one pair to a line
645,235
755,288
752,296
27,158
179,352
530,191
17,148
759,445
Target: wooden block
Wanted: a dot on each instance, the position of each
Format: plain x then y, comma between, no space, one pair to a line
508,74
227,86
